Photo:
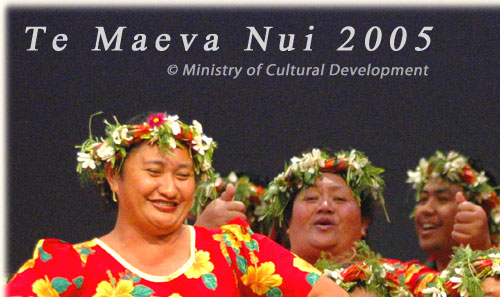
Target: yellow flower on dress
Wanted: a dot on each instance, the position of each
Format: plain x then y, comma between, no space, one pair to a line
260,279
43,288
429,277
175,295
238,231
222,244
304,266
122,289
201,265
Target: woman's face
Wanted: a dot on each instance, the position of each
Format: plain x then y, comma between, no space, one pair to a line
155,189
491,286
326,217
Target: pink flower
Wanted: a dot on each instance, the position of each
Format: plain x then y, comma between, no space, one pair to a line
156,120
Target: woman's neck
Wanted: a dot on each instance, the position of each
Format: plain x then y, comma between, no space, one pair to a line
152,254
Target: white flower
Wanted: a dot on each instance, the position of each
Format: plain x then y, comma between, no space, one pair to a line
172,143
414,177
494,256
334,274
495,268
457,280
86,160
307,162
389,267
176,128
452,155
458,163
423,164
496,216
232,177
172,118
197,127
120,134
481,179
105,151
434,291
201,144
444,274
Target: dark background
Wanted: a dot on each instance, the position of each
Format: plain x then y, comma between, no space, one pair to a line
259,122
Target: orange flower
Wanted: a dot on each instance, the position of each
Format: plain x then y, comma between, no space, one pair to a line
351,273
261,279
139,130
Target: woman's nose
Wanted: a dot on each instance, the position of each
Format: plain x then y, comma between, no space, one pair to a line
325,205
167,187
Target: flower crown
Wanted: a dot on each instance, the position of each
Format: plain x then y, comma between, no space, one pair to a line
377,275
455,168
464,275
245,191
360,175
167,131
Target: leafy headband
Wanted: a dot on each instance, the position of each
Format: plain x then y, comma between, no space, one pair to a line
161,129
360,175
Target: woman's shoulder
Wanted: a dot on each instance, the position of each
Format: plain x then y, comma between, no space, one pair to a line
55,265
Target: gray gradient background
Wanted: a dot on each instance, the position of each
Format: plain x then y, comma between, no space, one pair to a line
259,122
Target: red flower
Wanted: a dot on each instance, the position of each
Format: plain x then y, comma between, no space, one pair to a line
467,175
449,289
493,201
335,165
188,136
481,264
352,273
156,120
139,130
392,278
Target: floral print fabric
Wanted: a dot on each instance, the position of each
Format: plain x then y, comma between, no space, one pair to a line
231,261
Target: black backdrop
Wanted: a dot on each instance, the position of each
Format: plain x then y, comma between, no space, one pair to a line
260,121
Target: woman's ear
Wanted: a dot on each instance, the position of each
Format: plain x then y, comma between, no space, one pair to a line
365,222
111,177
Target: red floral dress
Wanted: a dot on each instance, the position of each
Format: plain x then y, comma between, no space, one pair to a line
231,261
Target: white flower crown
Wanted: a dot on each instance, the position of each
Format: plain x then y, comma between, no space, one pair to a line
167,131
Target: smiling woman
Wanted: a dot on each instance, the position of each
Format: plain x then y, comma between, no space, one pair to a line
149,171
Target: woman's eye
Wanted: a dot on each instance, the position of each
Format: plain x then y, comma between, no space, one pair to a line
153,170
340,199
310,198
184,175
422,200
